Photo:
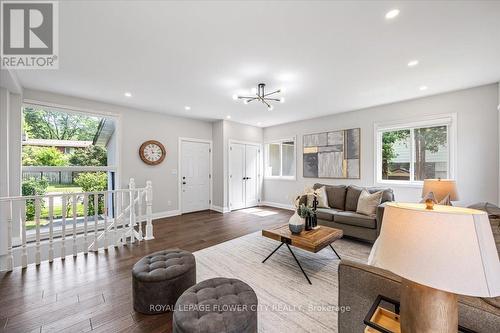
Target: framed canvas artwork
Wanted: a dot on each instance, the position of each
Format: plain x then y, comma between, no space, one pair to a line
333,154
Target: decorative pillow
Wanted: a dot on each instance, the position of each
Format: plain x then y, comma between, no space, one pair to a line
322,197
368,203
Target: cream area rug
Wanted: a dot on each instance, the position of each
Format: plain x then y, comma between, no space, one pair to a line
287,303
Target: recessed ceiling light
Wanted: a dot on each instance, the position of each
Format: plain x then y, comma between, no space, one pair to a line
259,123
127,94
392,14
422,88
187,108
413,63
228,117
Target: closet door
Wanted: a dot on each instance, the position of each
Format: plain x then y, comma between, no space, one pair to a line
237,173
251,176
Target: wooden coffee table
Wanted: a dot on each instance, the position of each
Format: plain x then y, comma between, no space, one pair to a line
312,240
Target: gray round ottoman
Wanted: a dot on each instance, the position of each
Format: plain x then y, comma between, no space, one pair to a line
219,305
160,278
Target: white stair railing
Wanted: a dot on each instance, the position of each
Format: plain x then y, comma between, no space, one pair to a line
47,237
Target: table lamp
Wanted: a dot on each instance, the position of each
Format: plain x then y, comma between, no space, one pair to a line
438,253
444,191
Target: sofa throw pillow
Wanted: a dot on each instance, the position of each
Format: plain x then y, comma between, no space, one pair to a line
368,203
322,197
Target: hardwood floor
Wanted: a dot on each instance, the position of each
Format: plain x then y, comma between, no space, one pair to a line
93,292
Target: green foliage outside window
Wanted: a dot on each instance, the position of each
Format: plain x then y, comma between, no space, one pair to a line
33,186
93,182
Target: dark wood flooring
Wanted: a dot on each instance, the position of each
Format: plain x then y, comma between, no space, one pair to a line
93,292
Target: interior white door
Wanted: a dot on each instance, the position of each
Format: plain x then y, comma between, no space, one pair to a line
195,176
237,172
244,173
251,176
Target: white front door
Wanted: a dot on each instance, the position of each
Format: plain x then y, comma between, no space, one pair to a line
195,176
244,174
252,176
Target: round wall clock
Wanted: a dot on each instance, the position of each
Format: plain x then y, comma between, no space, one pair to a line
152,152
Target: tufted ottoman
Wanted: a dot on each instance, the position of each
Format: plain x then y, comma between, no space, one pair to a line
219,305
160,278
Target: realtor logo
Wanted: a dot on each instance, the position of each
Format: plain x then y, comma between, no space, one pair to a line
29,35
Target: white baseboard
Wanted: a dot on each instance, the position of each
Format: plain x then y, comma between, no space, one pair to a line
277,205
168,213
220,209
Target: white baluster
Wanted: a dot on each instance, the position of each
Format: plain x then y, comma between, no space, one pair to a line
10,258
73,207
24,255
123,229
37,225
63,227
105,211
140,196
131,187
96,220
51,229
149,210
85,221
115,216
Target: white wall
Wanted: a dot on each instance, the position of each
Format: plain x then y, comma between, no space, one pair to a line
137,126
478,145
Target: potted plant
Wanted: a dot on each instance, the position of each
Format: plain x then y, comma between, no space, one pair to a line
307,214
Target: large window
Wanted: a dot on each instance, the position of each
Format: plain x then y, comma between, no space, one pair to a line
280,159
411,152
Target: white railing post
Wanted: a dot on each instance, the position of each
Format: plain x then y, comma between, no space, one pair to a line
114,196
73,208
10,257
51,229
105,212
37,222
85,222
131,187
63,227
95,248
24,255
140,196
149,210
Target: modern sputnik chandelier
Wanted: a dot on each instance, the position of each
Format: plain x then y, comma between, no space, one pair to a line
259,94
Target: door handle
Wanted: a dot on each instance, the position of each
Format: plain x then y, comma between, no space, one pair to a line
244,178
183,183
249,177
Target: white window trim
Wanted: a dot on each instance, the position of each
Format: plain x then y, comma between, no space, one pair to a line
448,119
266,157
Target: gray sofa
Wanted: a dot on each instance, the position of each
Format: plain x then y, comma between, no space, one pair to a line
341,214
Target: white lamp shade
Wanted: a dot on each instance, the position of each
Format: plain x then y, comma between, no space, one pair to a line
441,188
448,248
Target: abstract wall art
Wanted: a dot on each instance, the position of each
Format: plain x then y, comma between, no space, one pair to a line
333,154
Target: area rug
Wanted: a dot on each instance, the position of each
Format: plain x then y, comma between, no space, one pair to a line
287,303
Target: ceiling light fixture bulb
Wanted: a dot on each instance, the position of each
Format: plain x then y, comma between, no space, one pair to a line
413,63
128,94
282,100
245,101
235,97
392,14
270,108
187,108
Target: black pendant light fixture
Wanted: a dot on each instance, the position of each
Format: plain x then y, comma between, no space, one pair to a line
261,95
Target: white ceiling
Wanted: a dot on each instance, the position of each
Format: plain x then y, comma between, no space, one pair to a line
330,56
